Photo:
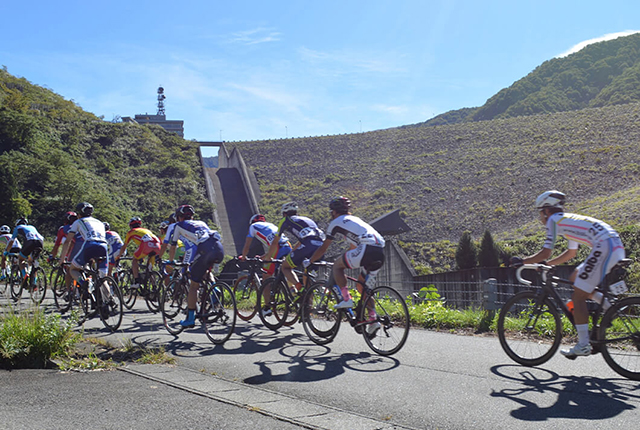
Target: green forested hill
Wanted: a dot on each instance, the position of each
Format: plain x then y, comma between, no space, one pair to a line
53,155
601,74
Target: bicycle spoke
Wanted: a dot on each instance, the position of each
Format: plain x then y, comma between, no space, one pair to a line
620,330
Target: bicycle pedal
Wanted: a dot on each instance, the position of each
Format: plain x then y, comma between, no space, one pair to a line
571,357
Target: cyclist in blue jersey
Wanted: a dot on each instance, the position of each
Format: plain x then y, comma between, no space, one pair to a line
31,240
266,232
114,243
209,251
309,238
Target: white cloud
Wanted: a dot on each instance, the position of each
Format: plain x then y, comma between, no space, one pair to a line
348,61
255,36
604,38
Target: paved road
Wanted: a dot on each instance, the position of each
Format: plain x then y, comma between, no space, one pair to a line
437,381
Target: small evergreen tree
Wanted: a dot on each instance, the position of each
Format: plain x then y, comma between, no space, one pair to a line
489,255
466,254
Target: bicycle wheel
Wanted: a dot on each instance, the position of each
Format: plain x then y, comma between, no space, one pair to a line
87,304
246,292
152,297
16,284
110,303
529,333
385,332
173,305
37,285
63,297
129,295
620,331
274,311
320,320
218,311
57,283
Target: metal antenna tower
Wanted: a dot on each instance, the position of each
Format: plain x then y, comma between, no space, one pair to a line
161,98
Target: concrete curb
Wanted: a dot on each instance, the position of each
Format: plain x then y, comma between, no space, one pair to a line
275,405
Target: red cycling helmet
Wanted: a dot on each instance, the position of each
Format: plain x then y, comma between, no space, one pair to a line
257,218
135,222
70,217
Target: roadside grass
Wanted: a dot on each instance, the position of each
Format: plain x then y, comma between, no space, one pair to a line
31,338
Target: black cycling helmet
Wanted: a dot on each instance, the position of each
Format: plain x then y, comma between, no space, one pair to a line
84,209
70,217
172,218
340,204
21,221
185,211
135,222
257,218
107,226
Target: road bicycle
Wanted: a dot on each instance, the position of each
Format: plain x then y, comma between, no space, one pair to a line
530,325
149,288
34,280
381,307
216,305
246,287
99,295
279,304
12,270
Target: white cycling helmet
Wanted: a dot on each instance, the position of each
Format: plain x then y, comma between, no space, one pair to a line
290,207
550,199
5,229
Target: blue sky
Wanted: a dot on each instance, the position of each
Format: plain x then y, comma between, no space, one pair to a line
251,70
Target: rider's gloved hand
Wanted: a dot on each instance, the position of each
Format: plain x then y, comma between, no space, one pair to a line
51,259
516,262
306,263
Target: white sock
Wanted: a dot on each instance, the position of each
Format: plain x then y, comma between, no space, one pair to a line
583,334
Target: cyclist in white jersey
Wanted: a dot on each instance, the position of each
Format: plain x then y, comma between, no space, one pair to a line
95,242
366,249
606,251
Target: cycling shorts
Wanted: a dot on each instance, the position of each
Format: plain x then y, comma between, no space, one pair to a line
305,250
92,250
604,255
367,256
208,253
145,249
31,247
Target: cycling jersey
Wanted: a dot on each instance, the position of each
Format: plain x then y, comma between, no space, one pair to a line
356,231
90,243
577,229
139,235
265,232
89,229
604,241
61,237
26,232
193,231
114,243
302,228
6,238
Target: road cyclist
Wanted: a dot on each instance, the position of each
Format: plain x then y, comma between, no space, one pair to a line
381,314
265,232
94,248
148,243
32,245
5,238
114,244
606,251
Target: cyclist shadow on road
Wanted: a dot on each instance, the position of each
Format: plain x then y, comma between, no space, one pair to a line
580,397
304,363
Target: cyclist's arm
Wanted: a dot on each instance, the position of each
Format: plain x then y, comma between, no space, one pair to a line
321,251
247,245
538,257
65,246
564,257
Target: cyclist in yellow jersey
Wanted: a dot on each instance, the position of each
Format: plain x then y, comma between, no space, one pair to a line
147,243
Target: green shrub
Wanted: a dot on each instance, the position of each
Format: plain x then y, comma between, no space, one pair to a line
31,338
